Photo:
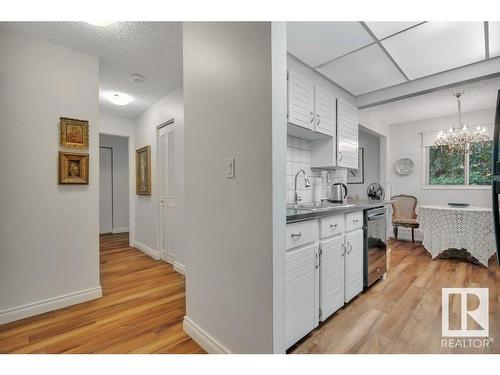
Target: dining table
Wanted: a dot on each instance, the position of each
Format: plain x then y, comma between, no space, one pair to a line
450,229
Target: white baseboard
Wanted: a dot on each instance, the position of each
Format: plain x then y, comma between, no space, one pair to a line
203,339
181,268
49,304
147,250
120,230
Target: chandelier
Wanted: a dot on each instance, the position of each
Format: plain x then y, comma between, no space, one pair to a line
458,139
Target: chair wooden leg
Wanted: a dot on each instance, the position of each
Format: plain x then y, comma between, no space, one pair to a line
412,235
395,228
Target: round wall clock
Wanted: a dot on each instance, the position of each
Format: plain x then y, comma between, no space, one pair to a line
404,166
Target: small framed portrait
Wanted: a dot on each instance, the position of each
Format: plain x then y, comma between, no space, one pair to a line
143,170
74,133
73,168
357,176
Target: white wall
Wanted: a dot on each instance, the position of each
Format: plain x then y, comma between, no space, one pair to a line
120,180
112,124
229,96
406,142
147,207
371,145
49,244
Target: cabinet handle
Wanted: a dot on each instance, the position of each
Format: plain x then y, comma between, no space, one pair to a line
312,117
355,220
340,156
296,235
343,249
319,120
333,226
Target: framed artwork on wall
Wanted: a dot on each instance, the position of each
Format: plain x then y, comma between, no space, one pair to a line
73,168
357,176
74,133
143,171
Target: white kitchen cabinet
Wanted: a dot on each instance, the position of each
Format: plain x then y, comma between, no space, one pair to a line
331,275
325,109
324,270
300,101
353,264
347,134
311,108
302,292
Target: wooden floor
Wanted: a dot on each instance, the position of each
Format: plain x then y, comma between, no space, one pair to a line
402,314
144,304
141,311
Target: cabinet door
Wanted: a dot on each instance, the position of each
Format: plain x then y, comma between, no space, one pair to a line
300,101
331,276
347,135
302,292
324,107
353,279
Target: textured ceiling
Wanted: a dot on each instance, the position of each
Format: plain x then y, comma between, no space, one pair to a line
477,95
152,49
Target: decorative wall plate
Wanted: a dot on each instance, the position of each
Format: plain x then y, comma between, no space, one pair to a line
404,166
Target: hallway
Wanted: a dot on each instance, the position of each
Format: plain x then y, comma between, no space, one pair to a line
141,311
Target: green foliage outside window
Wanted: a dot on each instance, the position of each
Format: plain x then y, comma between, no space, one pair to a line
480,163
447,168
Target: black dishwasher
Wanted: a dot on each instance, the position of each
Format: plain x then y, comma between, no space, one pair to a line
375,245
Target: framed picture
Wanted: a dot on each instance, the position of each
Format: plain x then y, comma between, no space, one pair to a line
357,176
74,133
73,168
143,170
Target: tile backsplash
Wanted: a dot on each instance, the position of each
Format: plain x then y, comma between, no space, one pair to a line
298,156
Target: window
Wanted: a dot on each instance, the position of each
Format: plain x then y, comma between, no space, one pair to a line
463,168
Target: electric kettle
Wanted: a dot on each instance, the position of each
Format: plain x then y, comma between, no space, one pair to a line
337,195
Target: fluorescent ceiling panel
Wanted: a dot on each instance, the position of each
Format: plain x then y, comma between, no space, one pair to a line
366,70
384,29
434,47
318,42
494,32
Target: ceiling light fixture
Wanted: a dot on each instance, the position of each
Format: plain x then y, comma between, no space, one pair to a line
101,23
138,78
458,139
118,98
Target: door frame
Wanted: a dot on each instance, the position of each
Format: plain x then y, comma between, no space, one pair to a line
112,190
157,195
131,186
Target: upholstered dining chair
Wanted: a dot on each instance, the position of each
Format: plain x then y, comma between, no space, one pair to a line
403,214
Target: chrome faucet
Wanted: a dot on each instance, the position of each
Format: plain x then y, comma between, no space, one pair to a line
298,198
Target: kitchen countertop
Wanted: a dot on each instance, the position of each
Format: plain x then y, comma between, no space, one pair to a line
300,214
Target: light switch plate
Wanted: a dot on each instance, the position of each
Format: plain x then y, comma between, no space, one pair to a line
230,168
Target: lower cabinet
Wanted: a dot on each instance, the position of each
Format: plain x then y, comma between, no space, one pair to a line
301,292
324,270
331,275
353,260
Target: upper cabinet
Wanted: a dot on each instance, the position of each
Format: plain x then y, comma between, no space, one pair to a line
347,134
311,108
324,108
300,101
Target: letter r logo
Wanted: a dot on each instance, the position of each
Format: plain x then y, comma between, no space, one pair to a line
479,315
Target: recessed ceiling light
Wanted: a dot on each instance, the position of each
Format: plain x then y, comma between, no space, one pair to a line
138,78
118,98
101,23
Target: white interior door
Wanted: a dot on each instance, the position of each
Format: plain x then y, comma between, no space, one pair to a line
105,190
167,192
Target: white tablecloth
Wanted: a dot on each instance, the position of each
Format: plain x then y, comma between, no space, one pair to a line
469,228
